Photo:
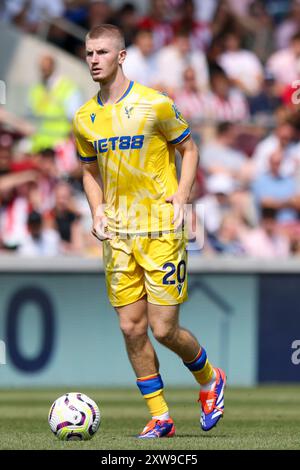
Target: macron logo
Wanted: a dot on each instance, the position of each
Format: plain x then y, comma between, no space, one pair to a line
179,288
93,117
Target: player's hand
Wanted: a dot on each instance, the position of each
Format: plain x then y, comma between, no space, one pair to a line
100,228
179,203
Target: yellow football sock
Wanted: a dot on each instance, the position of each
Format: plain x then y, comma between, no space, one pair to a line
152,390
156,403
204,375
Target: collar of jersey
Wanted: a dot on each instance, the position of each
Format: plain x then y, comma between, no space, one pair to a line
128,89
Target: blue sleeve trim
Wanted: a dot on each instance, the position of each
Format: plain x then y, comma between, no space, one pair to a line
88,159
183,136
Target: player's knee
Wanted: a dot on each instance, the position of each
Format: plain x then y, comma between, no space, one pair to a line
132,330
164,334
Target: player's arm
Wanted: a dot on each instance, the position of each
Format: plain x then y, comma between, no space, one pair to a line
93,188
190,160
175,129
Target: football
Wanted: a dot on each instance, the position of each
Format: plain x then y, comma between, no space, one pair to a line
74,417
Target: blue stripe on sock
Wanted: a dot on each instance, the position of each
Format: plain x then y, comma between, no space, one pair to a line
199,363
150,385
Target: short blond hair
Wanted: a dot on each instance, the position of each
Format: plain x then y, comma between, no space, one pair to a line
109,30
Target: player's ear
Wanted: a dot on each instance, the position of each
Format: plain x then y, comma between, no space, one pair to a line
122,56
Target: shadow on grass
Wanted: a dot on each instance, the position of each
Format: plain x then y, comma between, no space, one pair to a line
180,436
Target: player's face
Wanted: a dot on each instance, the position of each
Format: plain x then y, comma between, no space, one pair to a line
103,58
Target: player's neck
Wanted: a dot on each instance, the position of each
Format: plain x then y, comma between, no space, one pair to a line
112,90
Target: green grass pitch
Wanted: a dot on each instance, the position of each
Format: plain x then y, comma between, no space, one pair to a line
258,418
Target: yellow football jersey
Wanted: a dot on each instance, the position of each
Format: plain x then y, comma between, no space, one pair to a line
133,141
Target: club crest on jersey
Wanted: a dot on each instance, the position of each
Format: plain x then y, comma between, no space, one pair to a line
128,111
93,117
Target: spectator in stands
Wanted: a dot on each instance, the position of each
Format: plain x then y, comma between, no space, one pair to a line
225,20
204,11
190,99
6,142
214,51
141,61
239,7
258,30
30,15
76,12
39,241
67,162
14,197
42,194
241,65
211,207
278,10
199,31
19,127
282,140
15,179
52,103
266,240
227,240
294,238
284,64
65,219
175,58
220,157
157,20
224,196
127,19
289,27
263,106
272,190
99,11
224,102
13,214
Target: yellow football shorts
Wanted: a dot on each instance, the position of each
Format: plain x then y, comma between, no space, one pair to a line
142,266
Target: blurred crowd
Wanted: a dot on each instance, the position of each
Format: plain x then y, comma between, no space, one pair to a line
232,68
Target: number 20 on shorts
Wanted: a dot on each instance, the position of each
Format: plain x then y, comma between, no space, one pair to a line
180,272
